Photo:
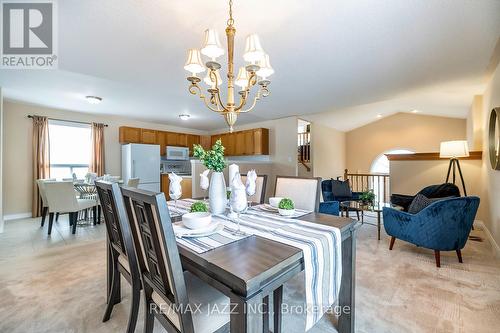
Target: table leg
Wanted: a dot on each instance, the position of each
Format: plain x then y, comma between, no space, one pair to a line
246,314
347,288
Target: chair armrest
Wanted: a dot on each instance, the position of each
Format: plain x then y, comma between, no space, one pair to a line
329,207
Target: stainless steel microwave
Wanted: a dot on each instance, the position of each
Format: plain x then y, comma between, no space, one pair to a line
177,153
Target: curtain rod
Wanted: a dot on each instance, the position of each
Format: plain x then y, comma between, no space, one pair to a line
69,121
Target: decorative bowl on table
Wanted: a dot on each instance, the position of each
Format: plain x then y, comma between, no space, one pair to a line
286,212
196,220
275,201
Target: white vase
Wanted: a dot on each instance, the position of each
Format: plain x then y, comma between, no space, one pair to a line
217,193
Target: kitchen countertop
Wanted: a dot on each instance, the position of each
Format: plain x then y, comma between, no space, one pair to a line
183,176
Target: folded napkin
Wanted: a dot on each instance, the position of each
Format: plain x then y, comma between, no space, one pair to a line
238,198
251,182
175,190
204,182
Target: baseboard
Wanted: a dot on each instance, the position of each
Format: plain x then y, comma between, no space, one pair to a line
16,216
494,245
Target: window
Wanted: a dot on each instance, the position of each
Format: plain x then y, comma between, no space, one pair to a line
381,163
70,149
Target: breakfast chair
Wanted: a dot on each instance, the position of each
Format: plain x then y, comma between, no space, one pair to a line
45,203
444,225
167,288
133,182
304,192
121,250
62,199
260,189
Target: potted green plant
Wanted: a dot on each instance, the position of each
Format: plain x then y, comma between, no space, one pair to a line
367,197
199,206
286,207
214,160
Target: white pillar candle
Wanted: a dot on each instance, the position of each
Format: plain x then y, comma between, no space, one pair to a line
233,170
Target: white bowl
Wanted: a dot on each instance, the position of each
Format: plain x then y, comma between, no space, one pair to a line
286,212
196,220
275,201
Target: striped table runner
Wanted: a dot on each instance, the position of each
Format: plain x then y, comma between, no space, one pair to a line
320,244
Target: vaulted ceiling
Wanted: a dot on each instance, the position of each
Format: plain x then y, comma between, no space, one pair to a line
339,61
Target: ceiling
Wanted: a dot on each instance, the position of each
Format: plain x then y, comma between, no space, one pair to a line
341,61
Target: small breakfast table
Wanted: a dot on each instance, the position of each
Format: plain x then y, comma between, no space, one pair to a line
359,207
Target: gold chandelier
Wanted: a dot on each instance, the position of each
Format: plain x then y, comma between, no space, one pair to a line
256,72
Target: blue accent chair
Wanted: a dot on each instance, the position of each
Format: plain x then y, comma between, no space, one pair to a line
330,207
442,226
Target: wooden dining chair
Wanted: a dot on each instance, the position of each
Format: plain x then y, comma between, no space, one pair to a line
62,199
43,196
260,189
121,249
305,192
166,287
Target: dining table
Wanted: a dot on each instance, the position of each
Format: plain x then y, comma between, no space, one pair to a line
252,270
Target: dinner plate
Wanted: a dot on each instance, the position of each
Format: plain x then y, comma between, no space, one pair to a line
269,208
181,231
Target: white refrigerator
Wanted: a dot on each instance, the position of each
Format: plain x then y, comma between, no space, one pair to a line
143,162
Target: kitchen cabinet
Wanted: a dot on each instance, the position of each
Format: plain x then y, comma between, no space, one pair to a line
182,140
149,136
130,135
206,142
186,186
245,143
192,140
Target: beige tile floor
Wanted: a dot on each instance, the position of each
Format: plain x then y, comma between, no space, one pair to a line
57,284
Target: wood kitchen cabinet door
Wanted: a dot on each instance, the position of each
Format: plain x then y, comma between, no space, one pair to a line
172,139
192,140
261,141
206,142
249,143
239,143
130,135
182,140
162,141
149,136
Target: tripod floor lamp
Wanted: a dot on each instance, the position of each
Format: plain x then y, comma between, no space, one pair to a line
454,150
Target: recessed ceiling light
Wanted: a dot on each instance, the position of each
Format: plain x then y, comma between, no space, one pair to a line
93,99
379,116
414,111
184,116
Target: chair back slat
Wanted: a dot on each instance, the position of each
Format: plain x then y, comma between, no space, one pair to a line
111,216
156,247
305,192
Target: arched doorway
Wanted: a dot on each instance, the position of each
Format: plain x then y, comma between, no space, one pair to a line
380,165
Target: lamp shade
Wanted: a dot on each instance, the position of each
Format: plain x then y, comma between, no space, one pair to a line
193,63
253,49
454,149
212,47
208,79
265,67
242,79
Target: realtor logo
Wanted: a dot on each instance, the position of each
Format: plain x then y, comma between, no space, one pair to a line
29,34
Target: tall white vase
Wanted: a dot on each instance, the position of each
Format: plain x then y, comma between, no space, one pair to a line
217,193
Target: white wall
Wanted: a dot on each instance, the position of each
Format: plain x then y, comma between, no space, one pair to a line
1,162
328,148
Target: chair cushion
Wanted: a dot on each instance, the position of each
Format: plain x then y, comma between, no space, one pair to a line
210,299
420,202
341,188
86,203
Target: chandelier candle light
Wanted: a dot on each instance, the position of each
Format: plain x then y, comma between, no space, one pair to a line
256,72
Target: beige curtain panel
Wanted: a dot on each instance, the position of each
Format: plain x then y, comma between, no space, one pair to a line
41,160
97,158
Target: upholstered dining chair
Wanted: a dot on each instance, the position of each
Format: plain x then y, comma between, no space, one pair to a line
166,287
62,199
45,203
260,189
133,182
304,192
121,249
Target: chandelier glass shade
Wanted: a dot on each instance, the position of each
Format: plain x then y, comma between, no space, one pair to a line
255,73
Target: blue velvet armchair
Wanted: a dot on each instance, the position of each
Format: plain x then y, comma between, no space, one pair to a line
442,226
334,192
